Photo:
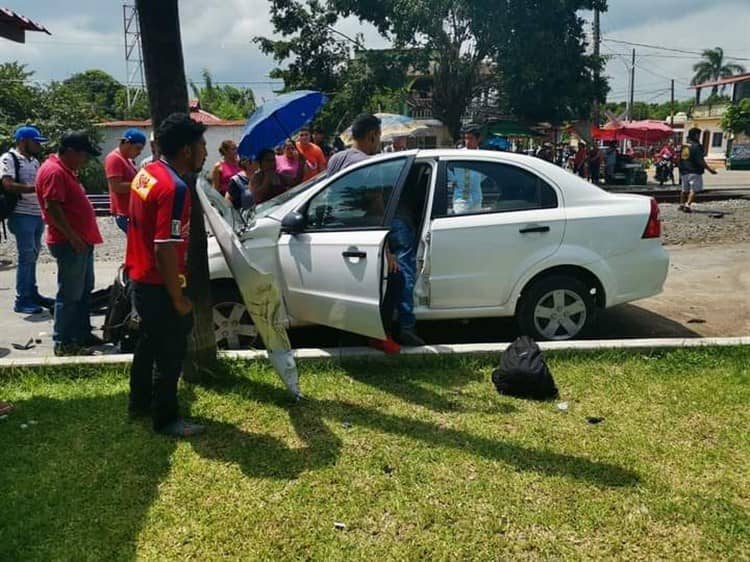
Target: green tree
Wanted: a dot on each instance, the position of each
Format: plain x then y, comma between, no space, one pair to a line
316,57
454,40
227,102
736,119
714,67
98,89
542,64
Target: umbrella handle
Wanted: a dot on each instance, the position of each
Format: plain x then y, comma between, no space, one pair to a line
284,129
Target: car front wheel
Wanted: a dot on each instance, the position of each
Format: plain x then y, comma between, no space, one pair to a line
556,308
233,326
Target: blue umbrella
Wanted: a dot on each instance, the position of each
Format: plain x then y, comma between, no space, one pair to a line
277,120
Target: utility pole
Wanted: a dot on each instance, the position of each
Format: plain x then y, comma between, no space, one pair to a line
671,107
167,92
632,86
597,60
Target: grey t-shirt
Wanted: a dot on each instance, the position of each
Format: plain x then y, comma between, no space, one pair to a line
28,204
344,159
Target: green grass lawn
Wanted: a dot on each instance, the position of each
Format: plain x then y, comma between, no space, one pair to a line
420,459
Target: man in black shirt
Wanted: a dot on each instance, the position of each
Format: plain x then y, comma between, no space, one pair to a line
692,166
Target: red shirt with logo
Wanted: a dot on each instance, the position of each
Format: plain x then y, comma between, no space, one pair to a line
159,214
56,182
117,166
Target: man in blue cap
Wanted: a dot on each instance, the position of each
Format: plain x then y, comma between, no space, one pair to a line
18,170
120,168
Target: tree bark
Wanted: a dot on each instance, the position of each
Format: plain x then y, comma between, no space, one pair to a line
167,92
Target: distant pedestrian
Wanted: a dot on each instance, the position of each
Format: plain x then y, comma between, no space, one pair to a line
692,166
120,168
155,261
239,194
18,171
594,163
315,160
290,164
579,160
266,182
319,138
154,152
610,162
226,168
467,184
366,135
72,233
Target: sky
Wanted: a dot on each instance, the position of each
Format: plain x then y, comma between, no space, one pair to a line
217,35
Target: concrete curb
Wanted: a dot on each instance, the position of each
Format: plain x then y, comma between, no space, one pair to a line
426,351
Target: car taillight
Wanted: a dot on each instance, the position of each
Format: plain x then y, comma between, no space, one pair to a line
653,226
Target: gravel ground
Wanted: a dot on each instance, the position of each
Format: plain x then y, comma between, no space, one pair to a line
113,248
678,229
699,228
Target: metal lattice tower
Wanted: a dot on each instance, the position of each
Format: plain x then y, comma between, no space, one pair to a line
134,77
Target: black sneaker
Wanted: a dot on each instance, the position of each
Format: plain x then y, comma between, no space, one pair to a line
71,350
409,338
45,302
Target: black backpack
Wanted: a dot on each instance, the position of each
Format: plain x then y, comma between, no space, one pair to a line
120,324
524,373
8,200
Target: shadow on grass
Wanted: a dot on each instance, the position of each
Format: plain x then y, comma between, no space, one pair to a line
77,484
411,380
309,414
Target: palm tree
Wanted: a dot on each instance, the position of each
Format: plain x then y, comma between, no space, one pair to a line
713,68
168,93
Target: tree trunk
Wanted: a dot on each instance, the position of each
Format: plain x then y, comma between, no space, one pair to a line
167,92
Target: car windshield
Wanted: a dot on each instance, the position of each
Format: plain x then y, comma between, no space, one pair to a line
267,207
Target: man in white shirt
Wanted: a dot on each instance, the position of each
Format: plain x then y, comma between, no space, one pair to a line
18,169
467,183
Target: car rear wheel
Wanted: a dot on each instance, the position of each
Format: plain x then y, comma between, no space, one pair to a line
558,307
233,326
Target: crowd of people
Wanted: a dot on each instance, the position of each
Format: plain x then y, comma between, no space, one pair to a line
151,204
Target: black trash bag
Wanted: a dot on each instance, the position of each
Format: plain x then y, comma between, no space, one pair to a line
120,320
523,372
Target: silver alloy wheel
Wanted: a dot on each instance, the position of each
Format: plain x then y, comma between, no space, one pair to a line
232,325
560,314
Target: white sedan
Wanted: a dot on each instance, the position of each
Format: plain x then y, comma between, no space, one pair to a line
497,235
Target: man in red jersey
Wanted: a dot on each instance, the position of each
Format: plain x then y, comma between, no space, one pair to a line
158,231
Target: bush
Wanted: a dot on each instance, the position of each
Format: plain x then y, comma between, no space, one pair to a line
93,178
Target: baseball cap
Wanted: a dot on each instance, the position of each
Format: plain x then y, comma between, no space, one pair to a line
134,136
80,142
29,132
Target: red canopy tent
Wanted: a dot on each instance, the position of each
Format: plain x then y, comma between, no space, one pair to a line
647,131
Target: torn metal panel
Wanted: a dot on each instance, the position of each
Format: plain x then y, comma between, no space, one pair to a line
259,289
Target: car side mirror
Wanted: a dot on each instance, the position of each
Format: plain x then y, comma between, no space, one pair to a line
293,223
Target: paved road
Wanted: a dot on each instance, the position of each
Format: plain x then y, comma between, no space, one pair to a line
706,295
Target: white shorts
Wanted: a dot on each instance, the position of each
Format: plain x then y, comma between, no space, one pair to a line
692,182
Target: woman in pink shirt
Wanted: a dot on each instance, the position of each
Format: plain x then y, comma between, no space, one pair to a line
290,164
226,168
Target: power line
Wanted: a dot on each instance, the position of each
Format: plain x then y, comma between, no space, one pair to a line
670,49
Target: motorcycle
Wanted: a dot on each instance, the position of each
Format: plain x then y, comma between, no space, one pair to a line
664,169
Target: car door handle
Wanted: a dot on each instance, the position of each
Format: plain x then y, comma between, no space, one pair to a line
530,229
354,254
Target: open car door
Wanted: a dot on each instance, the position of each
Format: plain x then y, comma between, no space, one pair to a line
333,260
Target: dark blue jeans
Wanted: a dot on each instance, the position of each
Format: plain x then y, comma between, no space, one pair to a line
75,281
28,231
402,242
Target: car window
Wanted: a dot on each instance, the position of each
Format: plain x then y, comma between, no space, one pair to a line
267,207
490,187
357,200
